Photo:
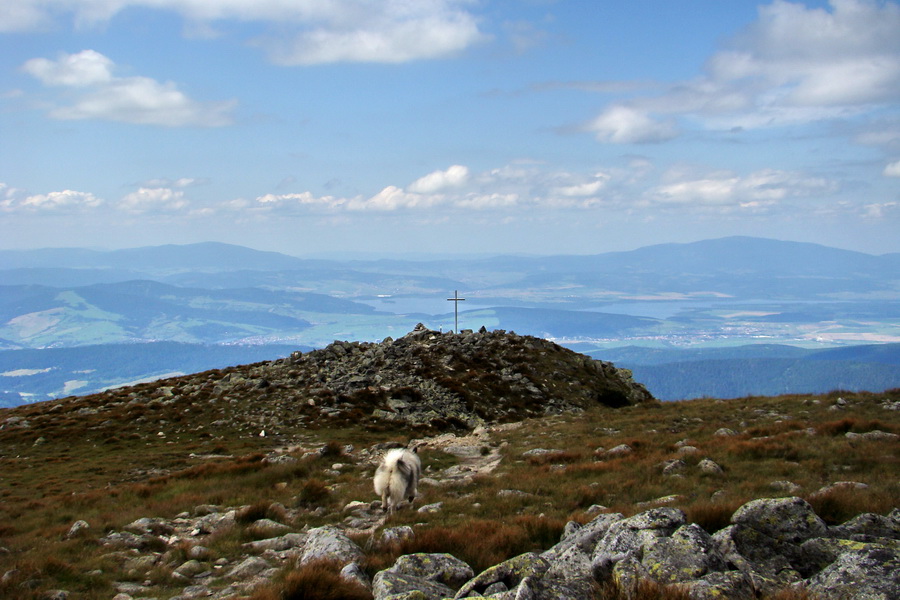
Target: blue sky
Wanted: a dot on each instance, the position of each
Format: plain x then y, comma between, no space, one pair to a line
448,126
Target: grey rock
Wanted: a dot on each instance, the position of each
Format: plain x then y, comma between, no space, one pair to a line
867,527
631,534
445,569
510,572
620,450
431,508
688,554
249,567
872,573
786,520
875,435
392,584
148,525
671,467
277,544
709,467
189,569
397,534
787,487
269,527
77,528
353,572
733,585
331,543
584,537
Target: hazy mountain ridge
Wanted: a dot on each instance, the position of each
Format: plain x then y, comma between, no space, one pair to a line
740,257
707,295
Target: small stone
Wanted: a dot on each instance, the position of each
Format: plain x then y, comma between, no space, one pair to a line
77,528
710,467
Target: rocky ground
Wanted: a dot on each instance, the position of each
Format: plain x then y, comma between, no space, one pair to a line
771,544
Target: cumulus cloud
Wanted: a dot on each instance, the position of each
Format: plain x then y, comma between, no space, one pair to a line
99,94
453,177
626,125
794,64
892,169
513,187
66,201
77,70
308,31
390,34
816,57
756,191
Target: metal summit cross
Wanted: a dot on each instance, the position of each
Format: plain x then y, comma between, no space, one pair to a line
456,300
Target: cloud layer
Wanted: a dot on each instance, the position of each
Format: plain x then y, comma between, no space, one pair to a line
301,32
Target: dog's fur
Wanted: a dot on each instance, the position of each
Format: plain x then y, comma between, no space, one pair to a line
397,477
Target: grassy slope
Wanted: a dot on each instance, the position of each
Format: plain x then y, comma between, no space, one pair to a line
68,465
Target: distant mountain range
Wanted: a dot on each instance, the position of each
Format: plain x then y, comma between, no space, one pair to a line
759,370
672,300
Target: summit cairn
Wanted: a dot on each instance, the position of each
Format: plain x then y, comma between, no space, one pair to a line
436,380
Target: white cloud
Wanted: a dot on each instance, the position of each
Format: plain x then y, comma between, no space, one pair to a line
393,38
795,64
488,201
453,177
726,190
892,169
880,210
816,57
99,94
154,200
181,182
77,70
591,187
626,125
14,200
511,188
302,199
308,31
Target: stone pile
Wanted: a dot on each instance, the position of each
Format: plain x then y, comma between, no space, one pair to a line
772,544
426,379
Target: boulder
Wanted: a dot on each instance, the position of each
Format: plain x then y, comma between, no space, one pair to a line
688,554
330,543
248,568
441,568
396,585
510,573
870,573
631,534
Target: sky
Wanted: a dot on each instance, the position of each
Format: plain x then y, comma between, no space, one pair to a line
383,127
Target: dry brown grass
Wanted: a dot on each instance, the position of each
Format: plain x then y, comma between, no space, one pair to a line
76,475
480,543
320,580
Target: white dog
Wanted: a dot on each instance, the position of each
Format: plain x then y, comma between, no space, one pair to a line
397,477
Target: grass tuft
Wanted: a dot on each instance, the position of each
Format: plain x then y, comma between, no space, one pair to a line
319,580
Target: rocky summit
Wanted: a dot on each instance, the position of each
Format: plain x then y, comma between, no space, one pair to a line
425,379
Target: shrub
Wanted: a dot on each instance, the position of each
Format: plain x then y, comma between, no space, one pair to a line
712,515
319,580
332,449
253,513
313,492
645,589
